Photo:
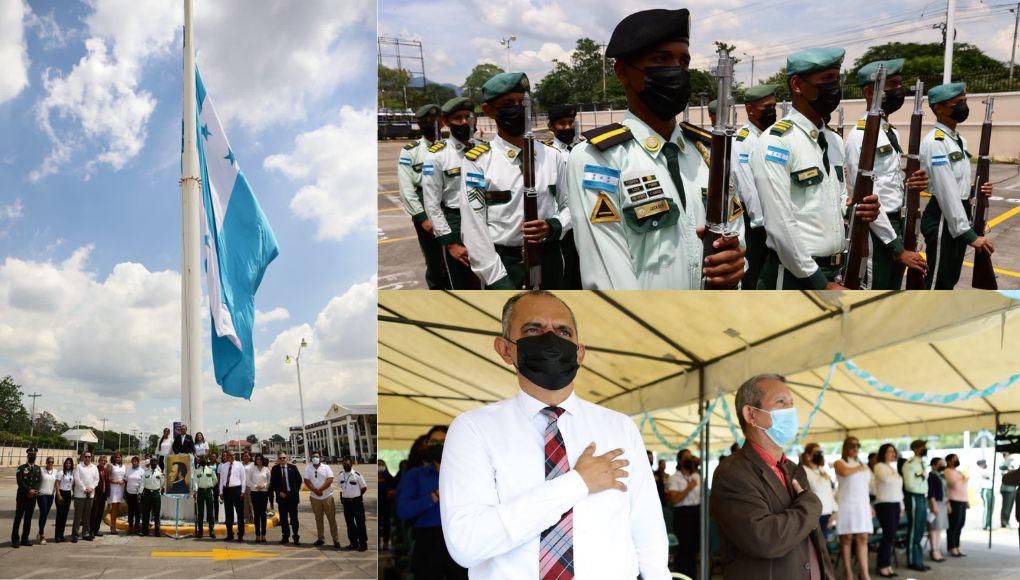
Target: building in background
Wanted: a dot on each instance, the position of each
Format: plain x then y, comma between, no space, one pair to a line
346,430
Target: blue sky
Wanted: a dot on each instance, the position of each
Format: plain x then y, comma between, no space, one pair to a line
90,105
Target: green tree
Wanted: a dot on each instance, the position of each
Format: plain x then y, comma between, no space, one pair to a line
47,425
392,86
730,48
556,86
252,439
928,59
13,415
277,438
472,87
779,79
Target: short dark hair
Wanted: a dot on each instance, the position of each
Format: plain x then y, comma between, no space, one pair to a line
508,308
750,394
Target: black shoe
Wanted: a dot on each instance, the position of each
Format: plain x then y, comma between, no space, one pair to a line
15,544
98,534
297,542
889,575
25,542
198,536
229,538
336,545
58,540
363,549
960,555
350,548
74,539
240,539
319,543
88,538
919,568
284,542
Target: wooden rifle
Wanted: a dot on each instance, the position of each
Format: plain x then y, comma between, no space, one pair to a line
532,252
912,222
984,273
717,203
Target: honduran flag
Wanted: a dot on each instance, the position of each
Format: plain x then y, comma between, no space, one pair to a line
238,245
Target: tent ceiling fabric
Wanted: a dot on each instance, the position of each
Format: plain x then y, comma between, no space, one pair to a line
649,349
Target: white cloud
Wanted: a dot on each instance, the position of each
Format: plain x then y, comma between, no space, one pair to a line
545,21
266,61
100,97
13,49
341,171
264,318
9,214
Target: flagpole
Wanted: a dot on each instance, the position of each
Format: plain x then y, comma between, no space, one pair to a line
191,273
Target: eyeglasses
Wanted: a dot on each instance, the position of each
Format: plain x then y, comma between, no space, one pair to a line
854,446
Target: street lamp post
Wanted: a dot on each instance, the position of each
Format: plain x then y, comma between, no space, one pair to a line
31,419
301,399
102,439
237,430
506,42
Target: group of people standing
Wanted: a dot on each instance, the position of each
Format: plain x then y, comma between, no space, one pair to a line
246,488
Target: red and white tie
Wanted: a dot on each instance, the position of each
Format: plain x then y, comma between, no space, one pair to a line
556,548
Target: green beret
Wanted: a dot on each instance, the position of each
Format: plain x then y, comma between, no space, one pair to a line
866,75
812,60
759,92
425,111
945,92
456,104
504,83
713,106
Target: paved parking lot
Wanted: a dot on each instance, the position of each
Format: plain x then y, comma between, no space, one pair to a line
401,265
147,557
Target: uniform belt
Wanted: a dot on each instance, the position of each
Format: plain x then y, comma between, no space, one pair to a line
501,249
899,214
829,261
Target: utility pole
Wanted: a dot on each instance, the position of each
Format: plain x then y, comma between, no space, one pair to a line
238,424
947,71
752,66
1016,25
31,418
506,42
102,436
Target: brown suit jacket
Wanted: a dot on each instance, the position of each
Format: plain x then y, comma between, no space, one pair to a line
764,531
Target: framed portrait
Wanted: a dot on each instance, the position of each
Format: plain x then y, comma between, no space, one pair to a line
178,474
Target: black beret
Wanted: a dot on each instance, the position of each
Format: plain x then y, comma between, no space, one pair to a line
648,28
557,112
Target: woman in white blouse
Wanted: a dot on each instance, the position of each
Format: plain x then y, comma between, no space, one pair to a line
258,483
133,480
888,504
65,497
201,447
165,448
115,480
855,512
44,499
813,462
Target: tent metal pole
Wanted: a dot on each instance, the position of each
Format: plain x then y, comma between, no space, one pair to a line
706,565
995,457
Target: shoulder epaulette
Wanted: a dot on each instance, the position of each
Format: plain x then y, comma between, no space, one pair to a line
477,151
606,136
940,135
696,133
780,128
410,146
437,147
742,134
548,142
862,124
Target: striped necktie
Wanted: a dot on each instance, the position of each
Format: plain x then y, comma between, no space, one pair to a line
556,549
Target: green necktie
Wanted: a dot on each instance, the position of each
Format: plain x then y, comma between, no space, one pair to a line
672,152
893,140
824,144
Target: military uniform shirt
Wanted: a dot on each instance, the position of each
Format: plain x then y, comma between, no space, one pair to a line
492,202
741,175
153,479
29,477
409,168
803,204
204,477
914,478
350,483
888,178
631,229
948,167
440,182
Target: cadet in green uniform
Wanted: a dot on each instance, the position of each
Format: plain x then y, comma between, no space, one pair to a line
915,488
798,169
409,169
29,478
492,195
946,220
440,182
760,105
203,482
887,259
635,187
152,489
563,125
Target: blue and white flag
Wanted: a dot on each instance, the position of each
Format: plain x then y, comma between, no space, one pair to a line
238,245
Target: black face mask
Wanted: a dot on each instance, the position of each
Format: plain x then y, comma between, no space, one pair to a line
428,130
461,132
566,135
687,464
547,360
818,458
511,119
435,453
828,97
667,90
960,112
767,117
893,101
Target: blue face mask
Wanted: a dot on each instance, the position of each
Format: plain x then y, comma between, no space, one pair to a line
785,425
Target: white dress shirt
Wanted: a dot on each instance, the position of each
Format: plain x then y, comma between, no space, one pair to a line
134,479
318,477
85,476
166,446
258,479
49,481
888,484
350,483
66,479
823,487
495,500
238,475
201,448
888,178
678,482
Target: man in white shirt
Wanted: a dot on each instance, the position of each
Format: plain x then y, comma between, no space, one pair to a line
352,490
984,477
319,480
86,478
233,482
522,493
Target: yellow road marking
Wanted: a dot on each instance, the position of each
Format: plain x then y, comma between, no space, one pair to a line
390,209
1002,217
997,270
386,191
381,242
215,554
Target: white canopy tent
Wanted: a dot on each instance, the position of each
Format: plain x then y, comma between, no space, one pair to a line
662,352
80,436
